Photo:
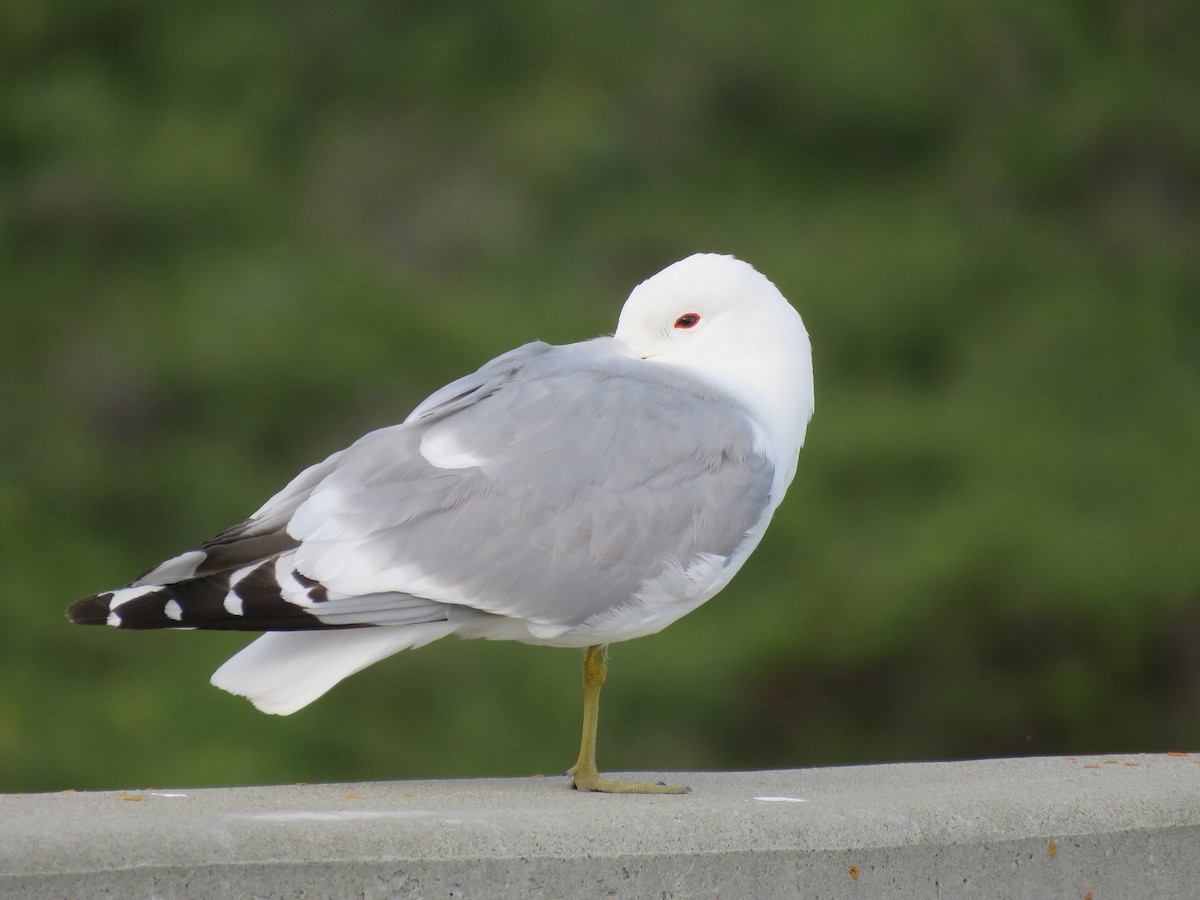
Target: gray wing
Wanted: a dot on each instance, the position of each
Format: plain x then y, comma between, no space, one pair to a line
489,378
549,486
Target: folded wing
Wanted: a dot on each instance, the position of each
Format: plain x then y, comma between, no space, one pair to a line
548,488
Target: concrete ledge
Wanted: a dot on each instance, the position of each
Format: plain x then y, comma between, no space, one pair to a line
1100,827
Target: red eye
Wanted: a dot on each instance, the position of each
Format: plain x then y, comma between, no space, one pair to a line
687,320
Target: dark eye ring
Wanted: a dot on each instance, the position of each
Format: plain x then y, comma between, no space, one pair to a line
687,320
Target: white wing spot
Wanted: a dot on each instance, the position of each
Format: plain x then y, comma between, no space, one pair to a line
114,620
240,574
172,610
178,567
233,604
289,585
441,448
124,595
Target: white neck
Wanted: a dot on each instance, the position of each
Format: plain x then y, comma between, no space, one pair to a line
775,411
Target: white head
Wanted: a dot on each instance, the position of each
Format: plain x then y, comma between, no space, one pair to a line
722,320
703,305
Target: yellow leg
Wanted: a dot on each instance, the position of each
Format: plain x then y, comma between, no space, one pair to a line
585,777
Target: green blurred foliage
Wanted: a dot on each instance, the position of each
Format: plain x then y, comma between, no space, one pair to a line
234,236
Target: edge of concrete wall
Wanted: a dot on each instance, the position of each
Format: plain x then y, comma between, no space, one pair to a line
1085,827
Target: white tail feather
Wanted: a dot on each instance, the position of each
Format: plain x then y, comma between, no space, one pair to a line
284,671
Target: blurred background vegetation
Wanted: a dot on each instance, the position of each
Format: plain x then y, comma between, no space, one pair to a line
233,237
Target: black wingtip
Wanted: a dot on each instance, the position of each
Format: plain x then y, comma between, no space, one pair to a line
90,610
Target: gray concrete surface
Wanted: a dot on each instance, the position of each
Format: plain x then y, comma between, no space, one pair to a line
1078,827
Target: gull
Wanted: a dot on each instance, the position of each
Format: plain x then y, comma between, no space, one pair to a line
569,496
